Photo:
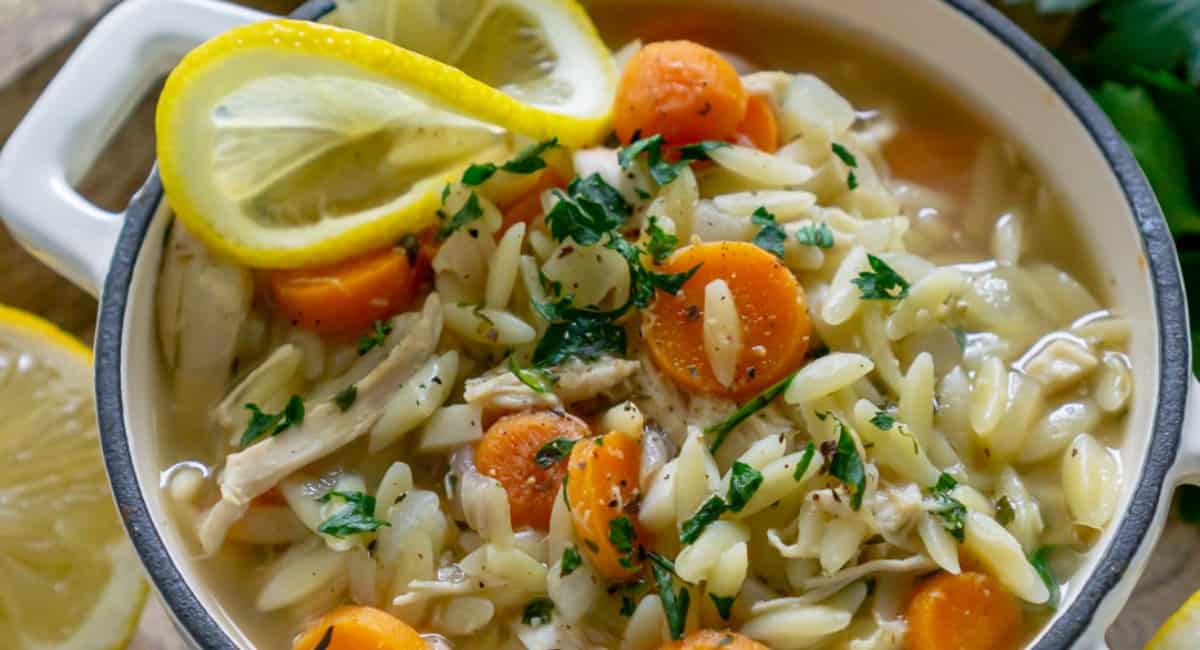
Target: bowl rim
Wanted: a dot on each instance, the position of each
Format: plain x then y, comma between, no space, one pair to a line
1067,626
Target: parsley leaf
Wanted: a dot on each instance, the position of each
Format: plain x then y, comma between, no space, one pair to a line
743,483
590,209
1040,559
744,411
539,380
357,517
952,512
724,605
881,282
554,452
819,235
642,281
700,150
661,244
847,466
376,337
346,397
470,211
662,171
771,236
848,158
708,512
538,612
674,605
1005,512
577,333
805,461
529,160
263,424
883,420
622,534
570,560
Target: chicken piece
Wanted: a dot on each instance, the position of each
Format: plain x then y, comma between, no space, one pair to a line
660,400
325,429
201,304
215,524
501,390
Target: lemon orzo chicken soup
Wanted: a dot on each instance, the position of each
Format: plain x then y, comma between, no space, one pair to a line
800,354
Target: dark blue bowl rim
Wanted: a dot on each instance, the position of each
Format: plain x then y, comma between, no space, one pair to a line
1066,629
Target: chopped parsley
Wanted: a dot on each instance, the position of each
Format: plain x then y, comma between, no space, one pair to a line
817,234
1005,512
376,337
847,466
553,452
661,243
588,211
951,511
708,512
577,333
771,235
805,461
883,420
1040,560
743,483
700,150
662,171
844,154
470,211
722,428
675,605
272,424
570,560
346,397
539,380
538,612
357,517
628,606
724,605
622,534
881,282
529,160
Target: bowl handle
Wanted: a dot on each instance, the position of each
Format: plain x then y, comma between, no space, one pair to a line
82,108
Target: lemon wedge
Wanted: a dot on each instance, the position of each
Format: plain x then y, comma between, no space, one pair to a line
288,143
1182,630
68,577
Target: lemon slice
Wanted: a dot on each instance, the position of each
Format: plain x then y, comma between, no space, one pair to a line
1182,630
288,143
68,576
544,53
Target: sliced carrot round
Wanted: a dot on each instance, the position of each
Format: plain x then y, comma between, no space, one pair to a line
771,306
349,296
359,628
682,90
968,611
507,453
759,128
714,640
602,490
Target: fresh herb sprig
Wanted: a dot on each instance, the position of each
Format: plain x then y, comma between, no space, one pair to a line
272,424
882,282
724,427
770,235
357,516
527,161
950,510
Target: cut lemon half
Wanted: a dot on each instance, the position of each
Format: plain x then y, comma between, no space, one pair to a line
1182,630
287,144
68,576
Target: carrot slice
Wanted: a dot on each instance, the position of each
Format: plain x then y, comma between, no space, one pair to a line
528,206
682,90
968,611
348,296
359,628
714,640
934,157
770,303
602,491
507,453
759,128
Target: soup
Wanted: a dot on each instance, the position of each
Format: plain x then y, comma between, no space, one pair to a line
831,377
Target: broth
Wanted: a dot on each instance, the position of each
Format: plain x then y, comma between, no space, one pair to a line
882,89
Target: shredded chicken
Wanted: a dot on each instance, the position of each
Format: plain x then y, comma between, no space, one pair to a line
215,524
252,471
576,381
202,302
660,401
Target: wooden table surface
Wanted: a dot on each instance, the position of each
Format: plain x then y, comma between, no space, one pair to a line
1174,571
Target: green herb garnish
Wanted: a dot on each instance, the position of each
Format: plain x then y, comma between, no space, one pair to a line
675,605
881,282
538,612
1005,512
770,236
376,337
554,452
722,428
847,466
1040,560
346,397
661,243
951,511
570,560
539,380
529,160
805,461
883,420
724,605
819,235
708,512
743,483
357,517
622,534
272,424
701,150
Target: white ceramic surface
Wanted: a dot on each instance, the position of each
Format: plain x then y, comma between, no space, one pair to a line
67,128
